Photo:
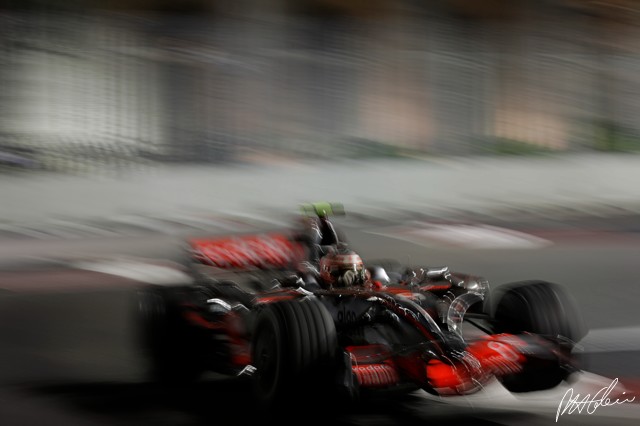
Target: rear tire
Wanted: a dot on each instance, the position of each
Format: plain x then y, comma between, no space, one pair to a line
169,345
545,309
294,352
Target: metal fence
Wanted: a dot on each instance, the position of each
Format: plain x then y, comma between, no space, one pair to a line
144,88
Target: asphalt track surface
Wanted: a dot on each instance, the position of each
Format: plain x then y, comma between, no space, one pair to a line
67,354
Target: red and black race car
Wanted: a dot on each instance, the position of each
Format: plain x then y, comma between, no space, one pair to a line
301,315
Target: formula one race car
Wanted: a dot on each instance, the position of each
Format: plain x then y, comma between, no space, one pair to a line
301,315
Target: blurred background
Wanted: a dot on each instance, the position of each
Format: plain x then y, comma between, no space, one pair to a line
499,137
93,84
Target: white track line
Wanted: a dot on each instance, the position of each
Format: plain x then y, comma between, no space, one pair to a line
136,270
460,235
495,396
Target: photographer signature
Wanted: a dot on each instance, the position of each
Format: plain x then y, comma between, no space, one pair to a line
588,403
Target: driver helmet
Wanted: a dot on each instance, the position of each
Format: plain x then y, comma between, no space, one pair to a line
342,268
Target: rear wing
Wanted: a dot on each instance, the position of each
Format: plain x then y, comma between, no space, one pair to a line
247,252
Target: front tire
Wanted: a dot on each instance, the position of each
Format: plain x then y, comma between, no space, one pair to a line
545,309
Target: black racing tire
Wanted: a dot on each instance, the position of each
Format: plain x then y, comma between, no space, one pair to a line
171,348
545,309
295,353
